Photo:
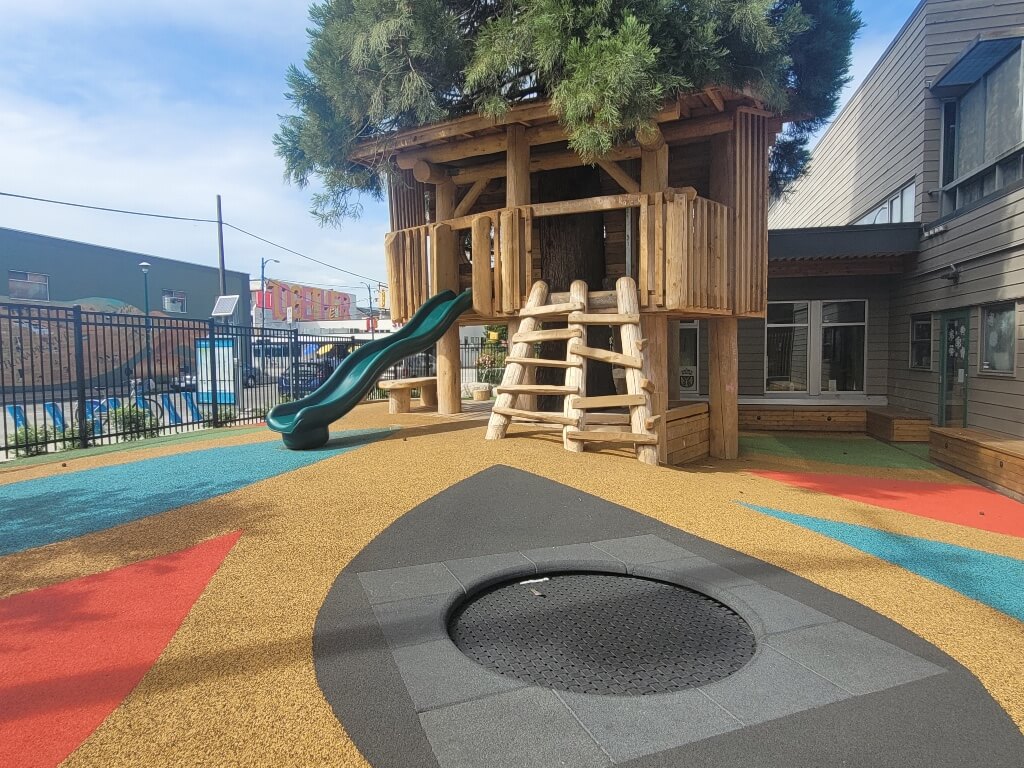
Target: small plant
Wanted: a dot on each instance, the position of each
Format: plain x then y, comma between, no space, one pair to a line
72,436
31,441
133,423
225,415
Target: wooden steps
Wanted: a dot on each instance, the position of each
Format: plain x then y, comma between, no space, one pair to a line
895,425
542,362
544,416
608,401
599,436
580,427
607,356
997,459
536,389
554,334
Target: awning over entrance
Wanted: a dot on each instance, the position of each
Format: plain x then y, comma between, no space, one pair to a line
872,249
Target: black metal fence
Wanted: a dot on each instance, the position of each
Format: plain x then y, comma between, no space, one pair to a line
71,378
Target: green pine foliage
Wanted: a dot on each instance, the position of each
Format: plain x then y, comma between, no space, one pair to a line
376,66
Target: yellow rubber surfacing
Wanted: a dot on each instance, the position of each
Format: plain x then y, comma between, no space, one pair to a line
236,684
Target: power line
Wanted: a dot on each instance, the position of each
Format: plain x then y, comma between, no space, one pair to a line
302,255
189,218
109,210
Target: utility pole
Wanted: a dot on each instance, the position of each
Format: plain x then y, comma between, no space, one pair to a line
369,296
263,309
220,249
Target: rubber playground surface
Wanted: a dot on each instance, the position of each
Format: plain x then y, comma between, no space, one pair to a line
221,600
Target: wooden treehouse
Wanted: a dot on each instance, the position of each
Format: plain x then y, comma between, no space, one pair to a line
672,226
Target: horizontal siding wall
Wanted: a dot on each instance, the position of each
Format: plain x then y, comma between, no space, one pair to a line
889,131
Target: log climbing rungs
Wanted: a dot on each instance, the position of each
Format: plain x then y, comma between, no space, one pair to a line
612,437
545,416
536,389
608,401
540,361
550,310
554,334
606,356
608,319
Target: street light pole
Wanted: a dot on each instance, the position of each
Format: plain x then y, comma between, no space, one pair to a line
263,310
144,266
369,297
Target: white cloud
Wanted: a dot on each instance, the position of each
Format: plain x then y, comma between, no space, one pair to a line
121,137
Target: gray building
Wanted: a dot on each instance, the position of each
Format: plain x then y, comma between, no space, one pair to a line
40,269
933,136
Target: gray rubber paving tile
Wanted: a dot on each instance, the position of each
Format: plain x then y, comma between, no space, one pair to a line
411,581
574,556
642,549
437,674
776,612
628,727
853,660
530,728
696,569
413,621
476,572
772,686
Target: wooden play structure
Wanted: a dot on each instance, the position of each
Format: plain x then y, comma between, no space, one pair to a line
681,212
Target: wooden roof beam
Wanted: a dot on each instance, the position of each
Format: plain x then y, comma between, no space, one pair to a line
428,173
470,198
617,172
715,97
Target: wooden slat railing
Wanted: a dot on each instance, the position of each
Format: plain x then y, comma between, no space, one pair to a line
685,262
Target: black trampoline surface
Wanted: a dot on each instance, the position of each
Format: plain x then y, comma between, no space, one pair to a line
830,682
602,634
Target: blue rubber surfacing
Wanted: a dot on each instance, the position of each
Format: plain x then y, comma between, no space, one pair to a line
42,511
995,580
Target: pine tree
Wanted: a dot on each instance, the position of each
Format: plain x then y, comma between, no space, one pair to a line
376,66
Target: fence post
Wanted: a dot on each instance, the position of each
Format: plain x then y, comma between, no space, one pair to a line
293,346
83,434
214,413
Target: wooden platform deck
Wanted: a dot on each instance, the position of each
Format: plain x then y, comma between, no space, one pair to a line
803,418
994,458
898,425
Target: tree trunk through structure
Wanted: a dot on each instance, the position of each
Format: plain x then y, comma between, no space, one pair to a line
572,248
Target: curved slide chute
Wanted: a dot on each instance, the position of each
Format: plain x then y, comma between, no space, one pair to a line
304,423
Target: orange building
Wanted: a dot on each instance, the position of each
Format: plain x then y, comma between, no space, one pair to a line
306,302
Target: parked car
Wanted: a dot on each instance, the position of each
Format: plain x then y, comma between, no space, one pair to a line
183,382
308,377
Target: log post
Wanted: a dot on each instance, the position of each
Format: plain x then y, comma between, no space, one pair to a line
517,192
625,290
577,375
723,388
673,361
449,363
654,327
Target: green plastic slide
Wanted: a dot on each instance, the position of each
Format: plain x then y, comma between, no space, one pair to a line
304,423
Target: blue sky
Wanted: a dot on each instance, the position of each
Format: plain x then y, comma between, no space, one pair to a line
162,104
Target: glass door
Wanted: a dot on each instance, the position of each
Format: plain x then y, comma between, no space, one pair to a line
953,371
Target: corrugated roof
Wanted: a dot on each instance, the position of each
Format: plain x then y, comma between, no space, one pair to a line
974,64
849,242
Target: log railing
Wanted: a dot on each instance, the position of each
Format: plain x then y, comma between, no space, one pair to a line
684,261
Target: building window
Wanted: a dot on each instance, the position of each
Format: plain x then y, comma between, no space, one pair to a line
998,347
983,134
843,335
28,285
174,301
896,208
786,342
921,342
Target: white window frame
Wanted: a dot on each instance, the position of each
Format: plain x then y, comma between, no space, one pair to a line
45,281
919,317
982,371
887,206
169,293
815,328
810,345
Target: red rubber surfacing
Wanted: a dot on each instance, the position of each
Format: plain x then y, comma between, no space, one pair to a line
968,505
70,653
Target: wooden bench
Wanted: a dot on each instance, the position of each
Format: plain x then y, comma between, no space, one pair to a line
897,425
803,418
997,459
400,392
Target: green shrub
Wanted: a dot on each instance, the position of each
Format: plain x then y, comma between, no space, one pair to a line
133,423
72,436
225,415
31,441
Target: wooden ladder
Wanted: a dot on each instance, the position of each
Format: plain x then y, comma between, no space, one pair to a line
579,420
